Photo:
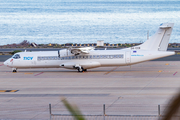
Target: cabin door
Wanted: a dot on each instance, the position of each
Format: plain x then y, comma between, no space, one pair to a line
33,61
128,57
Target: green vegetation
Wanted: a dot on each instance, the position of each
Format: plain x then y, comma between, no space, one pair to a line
15,51
75,112
128,45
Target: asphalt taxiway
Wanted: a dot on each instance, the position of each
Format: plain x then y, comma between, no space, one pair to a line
135,90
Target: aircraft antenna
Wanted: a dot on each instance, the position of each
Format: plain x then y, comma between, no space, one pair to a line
148,35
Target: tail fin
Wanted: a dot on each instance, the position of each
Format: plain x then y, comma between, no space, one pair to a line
159,41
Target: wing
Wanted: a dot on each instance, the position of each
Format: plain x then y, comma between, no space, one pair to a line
84,50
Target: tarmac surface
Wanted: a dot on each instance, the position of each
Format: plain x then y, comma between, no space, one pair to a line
135,90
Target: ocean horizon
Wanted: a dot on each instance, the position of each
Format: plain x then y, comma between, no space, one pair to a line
60,22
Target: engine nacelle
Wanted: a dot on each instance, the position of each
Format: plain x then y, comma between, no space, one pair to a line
64,52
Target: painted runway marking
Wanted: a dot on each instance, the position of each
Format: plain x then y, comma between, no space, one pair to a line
39,73
28,73
9,90
2,65
111,70
163,71
175,73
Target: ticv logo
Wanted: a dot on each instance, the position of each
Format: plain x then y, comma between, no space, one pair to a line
28,58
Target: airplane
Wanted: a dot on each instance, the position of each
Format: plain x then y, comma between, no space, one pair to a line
86,58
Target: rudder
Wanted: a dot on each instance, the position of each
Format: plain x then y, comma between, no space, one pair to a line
165,39
159,41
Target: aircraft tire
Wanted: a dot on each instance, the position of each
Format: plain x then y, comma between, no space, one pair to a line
14,71
80,69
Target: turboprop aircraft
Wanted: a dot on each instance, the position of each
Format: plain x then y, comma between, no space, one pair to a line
87,58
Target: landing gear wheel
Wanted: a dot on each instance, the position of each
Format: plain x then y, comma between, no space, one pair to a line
85,70
80,69
14,70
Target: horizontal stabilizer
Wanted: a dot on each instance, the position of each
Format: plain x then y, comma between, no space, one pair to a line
164,26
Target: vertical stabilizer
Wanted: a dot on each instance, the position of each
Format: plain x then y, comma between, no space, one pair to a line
159,41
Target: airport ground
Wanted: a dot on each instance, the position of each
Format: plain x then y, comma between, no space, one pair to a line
135,90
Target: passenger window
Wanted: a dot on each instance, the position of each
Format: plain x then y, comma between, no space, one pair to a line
39,58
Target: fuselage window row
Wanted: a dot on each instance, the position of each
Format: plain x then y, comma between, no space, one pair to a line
81,57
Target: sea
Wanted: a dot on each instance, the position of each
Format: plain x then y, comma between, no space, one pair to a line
86,21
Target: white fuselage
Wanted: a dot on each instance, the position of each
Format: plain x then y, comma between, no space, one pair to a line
95,58
85,58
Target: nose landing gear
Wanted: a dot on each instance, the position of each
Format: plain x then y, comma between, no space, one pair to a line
14,70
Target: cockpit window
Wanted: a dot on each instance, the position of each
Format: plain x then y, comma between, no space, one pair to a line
16,56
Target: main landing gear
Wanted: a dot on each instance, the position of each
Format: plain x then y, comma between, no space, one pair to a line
80,69
14,70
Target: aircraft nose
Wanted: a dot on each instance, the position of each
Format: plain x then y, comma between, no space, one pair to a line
5,63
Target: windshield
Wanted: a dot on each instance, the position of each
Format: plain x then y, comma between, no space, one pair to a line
16,56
